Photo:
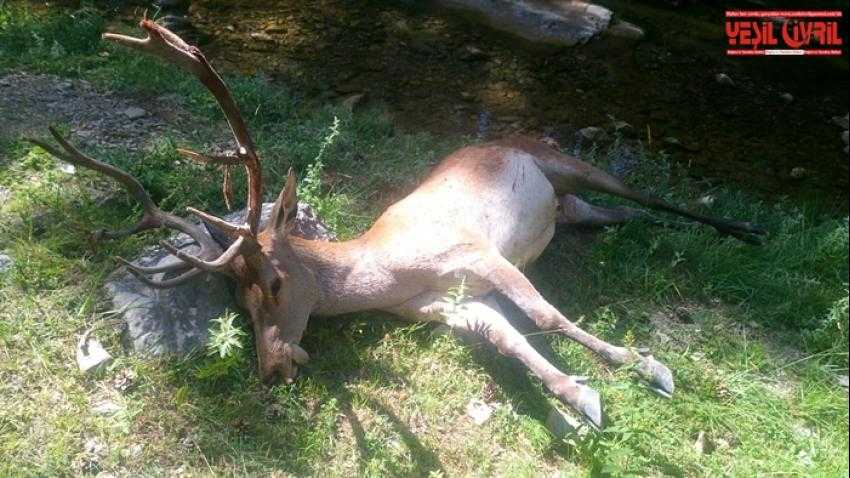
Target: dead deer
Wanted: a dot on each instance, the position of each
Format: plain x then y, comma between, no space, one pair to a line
482,214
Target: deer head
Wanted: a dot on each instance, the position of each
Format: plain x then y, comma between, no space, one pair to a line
276,289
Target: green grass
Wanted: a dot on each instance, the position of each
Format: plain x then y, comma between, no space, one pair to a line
755,336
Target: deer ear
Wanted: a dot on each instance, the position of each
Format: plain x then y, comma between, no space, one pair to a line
286,207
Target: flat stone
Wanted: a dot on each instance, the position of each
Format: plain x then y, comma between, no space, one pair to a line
787,97
134,112
176,320
562,23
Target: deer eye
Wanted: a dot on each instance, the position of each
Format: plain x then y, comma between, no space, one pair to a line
275,289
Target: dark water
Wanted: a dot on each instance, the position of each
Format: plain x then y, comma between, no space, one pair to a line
440,71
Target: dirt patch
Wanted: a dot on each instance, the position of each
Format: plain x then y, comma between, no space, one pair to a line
29,103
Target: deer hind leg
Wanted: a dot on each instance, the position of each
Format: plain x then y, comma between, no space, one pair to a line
569,175
483,317
575,212
511,283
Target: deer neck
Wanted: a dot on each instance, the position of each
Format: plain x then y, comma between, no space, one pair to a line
350,276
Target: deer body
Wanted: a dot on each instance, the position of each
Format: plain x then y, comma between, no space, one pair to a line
482,214
489,198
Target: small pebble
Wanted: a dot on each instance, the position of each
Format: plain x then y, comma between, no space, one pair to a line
134,112
478,411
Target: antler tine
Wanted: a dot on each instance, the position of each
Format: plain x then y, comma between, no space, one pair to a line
165,44
178,266
232,230
223,160
166,283
217,265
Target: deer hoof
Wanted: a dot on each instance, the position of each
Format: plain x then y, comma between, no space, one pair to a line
657,374
589,404
573,392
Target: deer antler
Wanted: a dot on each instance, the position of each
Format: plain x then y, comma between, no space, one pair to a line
165,44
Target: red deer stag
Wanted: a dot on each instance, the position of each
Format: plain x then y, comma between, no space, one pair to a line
482,214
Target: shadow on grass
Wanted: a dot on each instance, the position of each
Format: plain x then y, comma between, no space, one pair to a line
231,415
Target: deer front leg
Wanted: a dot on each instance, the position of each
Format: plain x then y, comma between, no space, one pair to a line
483,317
509,281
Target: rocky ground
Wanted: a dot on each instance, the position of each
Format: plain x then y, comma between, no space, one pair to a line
29,103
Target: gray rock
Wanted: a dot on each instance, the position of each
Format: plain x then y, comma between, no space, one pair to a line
134,112
787,97
843,138
841,121
562,23
844,381
176,320
5,195
6,262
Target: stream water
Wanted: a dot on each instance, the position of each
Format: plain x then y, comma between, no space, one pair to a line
441,71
